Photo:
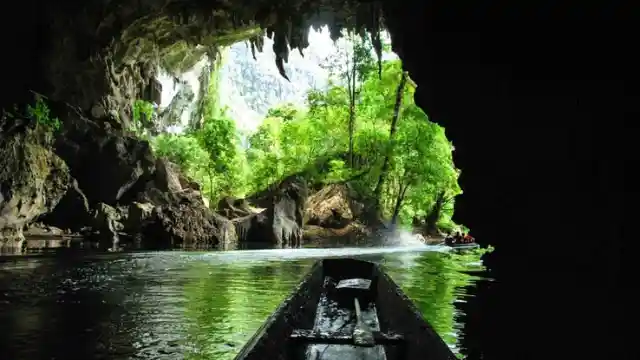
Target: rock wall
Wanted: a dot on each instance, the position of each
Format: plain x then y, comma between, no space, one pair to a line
89,175
32,181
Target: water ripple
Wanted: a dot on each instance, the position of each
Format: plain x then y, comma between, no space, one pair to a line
177,305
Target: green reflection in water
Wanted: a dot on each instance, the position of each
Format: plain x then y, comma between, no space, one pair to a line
227,303
434,281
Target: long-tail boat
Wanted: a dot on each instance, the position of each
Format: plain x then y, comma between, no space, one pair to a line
346,309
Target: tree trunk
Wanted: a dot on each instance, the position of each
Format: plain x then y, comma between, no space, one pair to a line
394,121
210,173
431,221
399,200
352,105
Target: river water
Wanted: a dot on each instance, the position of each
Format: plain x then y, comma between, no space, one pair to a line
186,305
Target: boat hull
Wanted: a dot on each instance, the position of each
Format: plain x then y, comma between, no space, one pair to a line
395,317
465,246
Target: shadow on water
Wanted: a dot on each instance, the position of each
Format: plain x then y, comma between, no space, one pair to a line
175,305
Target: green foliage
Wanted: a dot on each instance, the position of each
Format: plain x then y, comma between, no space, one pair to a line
316,141
225,167
183,150
37,115
291,141
41,114
209,155
142,117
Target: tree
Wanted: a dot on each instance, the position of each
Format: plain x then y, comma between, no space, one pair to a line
218,137
385,165
393,156
352,63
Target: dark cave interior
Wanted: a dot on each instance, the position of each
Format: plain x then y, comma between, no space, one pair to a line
532,97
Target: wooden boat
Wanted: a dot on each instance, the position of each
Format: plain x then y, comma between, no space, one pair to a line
463,246
346,309
460,246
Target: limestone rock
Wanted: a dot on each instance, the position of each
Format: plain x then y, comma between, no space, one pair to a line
107,220
332,207
40,229
187,223
32,181
179,217
72,212
138,214
106,164
167,178
232,208
282,221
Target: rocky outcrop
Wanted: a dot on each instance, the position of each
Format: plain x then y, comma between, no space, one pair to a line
105,162
72,212
32,181
179,217
333,206
232,208
282,221
107,222
336,215
118,188
354,233
179,105
187,224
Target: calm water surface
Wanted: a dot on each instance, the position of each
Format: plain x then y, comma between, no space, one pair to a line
176,305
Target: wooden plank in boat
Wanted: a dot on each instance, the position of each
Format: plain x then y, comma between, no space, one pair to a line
342,337
363,284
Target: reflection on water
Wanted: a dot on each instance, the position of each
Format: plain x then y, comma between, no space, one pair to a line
189,305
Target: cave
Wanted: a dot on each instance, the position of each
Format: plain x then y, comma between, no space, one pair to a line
531,96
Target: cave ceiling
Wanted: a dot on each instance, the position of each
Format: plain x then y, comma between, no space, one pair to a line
147,30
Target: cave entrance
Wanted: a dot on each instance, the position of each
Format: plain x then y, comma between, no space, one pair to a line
336,116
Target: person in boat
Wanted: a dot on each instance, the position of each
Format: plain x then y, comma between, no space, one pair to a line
453,239
449,240
468,239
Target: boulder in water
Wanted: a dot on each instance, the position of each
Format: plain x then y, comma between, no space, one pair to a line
41,230
282,221
107,220
137,215
187,224
180,217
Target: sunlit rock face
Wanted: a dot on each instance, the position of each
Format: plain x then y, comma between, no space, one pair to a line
246,86
250,87
182,94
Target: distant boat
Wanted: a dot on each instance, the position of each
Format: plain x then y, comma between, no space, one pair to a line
346,308
464,246
461,246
